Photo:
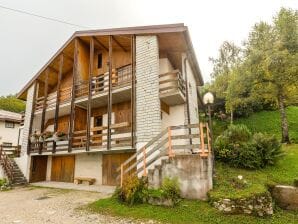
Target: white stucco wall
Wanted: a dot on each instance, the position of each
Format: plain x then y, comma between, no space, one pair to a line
165,65
86,165
89,165
24,161
9,135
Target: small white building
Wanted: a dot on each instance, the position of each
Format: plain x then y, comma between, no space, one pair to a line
9,128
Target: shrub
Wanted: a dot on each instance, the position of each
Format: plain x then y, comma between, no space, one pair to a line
170,189
296,182
238,148
268,147
132,190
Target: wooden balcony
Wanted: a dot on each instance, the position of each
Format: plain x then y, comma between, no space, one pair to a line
121,77
65,96
172,88
120,139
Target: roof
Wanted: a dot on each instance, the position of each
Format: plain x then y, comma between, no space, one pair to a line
10,116
140,30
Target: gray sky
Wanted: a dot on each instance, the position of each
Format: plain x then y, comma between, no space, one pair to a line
28,42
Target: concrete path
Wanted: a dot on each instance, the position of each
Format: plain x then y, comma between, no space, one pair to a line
84,187
31,205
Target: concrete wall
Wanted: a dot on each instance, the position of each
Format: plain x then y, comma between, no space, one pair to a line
194,175
165,65
89,165
24,161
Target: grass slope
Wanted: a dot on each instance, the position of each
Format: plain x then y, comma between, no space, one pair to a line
265,121
284,172
201,212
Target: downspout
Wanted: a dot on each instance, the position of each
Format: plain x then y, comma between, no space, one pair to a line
187,99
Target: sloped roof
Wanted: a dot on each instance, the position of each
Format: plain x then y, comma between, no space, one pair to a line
10,116
140,30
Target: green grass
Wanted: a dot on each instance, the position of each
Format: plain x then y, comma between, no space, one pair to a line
284,172
188,211
265,121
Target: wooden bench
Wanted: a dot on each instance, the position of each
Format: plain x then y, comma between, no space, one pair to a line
79,180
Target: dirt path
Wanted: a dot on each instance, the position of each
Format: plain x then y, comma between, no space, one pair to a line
43,205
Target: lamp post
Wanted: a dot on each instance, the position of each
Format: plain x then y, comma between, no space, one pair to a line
208,100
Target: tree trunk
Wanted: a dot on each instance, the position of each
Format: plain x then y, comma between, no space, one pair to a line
232,116
284,121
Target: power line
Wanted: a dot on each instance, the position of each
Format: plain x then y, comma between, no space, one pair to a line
42,17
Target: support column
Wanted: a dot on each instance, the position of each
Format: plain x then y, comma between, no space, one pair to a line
89,103
133,57
72,107
58,99
148,113
44,107
29,116
110,103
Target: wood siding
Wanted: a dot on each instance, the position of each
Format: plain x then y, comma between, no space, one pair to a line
38,168
110,164
63,168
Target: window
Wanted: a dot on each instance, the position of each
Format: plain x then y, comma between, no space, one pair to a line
9,124
99,61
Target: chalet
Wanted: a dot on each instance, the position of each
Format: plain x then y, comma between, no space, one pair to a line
115,102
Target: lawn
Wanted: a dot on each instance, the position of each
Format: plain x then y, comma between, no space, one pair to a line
201,212
265,121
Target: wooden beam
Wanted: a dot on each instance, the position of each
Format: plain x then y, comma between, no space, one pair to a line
72,104
110,93
54,70
89,93
44,106
120,45
58,99
32,116
133,94
67,56
100,44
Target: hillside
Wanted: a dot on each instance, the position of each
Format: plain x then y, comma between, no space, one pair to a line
265,121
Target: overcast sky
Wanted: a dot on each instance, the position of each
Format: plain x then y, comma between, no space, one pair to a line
28,42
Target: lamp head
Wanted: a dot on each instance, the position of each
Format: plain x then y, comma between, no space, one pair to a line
208,98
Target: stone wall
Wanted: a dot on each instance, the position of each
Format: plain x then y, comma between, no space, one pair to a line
148,121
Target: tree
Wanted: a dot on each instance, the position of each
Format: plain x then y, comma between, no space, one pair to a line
11,103
224,72
272,55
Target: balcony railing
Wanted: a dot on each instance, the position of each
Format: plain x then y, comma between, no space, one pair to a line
99,84
65,95
120,136
172,87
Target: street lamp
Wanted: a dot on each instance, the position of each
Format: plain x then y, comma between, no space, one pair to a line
208,100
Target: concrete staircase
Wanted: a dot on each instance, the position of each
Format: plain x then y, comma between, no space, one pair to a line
18,176
11,170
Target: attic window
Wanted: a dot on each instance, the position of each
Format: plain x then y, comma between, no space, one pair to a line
99,61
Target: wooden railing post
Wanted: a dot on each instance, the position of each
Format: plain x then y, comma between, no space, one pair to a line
170,149
121,175
202,140
144,162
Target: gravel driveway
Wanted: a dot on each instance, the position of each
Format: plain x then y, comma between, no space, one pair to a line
43,205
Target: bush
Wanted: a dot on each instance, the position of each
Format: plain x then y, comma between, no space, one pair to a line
132,191
170,189
268,147
238,148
